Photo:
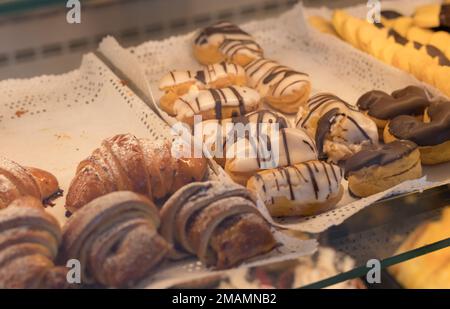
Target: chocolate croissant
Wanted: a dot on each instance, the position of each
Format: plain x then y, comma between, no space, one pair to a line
29,240
115,239
127,163
17,181
217,222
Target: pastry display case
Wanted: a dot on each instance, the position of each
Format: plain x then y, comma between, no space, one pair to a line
103,171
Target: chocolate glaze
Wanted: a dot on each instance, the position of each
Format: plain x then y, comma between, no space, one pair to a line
390,14
444,15
398,37
410,100
323,128
218,28
436,52
437,131
378,155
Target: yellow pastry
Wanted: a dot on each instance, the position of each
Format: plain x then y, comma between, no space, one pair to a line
402,25
417,34
427,16
338,19
349,30
440,40
322,24
388,52
366,33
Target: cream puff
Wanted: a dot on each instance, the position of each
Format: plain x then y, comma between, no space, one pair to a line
381,107
283,88
376,169
217,135
269,150
432,135
339,129
303,189
225,41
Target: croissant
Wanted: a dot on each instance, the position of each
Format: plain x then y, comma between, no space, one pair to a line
115,239
126,163
17,181
217,222
29,240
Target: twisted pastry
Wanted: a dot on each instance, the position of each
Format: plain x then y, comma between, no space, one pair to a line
225,41
115,239
16,181
126,163
29,240
282,87
217,222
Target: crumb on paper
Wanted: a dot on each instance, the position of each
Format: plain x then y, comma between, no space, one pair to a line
21,112
123,82
61,136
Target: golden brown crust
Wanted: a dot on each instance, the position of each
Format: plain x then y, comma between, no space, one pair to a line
29,240
115,239
17,181
373,179
125,162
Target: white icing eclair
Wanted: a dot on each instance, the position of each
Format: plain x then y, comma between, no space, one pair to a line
282,88
270,149
302,189
214,103
339,129
216,75
218,134
225,41
219,75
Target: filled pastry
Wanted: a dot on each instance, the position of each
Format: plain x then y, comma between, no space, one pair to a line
381,107
283,88
376,169
339,129
29,240
218,222
303,189
213,103
115,238
16,181
432,134
248,156
219,75
127,163
225,41
217,135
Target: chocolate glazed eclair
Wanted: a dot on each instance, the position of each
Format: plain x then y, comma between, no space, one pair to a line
379,168
381,107
432,135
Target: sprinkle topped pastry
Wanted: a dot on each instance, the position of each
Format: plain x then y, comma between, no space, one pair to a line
340,130
225,41
283,88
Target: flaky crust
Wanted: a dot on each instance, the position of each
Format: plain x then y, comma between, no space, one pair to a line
17,181
29,240
217,222
115,239
126,163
